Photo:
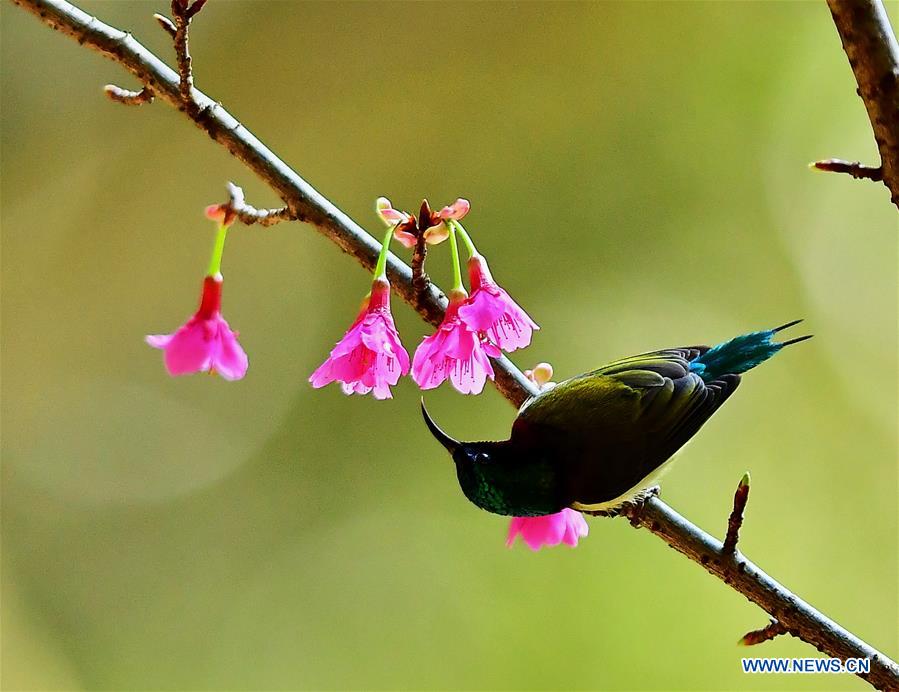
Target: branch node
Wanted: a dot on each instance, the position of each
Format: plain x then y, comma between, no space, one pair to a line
856,169
128,97
633,508
735,521
248,214
767,633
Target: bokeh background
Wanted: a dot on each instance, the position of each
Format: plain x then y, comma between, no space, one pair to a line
638,179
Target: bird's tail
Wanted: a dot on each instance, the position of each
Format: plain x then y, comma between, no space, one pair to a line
741,354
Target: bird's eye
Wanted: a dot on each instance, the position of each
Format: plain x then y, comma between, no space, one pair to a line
481,458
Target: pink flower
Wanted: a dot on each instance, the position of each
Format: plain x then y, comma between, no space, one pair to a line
563,527
454,352
205,343
491,310
370,356
432,225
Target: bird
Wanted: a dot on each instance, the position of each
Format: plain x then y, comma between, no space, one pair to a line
603,438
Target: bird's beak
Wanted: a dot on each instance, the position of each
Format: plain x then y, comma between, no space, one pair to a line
444,439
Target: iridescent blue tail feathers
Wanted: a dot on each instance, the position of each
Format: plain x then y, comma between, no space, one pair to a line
741,353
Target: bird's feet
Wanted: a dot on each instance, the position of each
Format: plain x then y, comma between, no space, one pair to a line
629,506
632,509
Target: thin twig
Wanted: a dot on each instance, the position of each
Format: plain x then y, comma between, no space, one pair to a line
873,53
856,169
182,13
735,521
767,633
249,214
420,279
196,7
128,97
166,24
307,204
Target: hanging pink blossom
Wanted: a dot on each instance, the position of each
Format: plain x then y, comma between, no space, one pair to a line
370,356
565,527
205,343
490,310
455,353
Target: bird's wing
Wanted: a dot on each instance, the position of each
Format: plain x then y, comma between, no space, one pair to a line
615,426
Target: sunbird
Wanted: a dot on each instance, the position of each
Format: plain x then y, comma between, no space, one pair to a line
598,440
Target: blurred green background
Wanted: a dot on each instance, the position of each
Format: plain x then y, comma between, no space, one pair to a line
638,180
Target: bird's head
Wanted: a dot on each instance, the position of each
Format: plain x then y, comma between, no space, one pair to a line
463,453
497,477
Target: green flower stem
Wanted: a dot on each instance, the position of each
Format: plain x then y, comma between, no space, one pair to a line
457,269
215,262
472,250
381,266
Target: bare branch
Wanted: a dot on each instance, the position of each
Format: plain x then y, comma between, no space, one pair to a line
798,617
854,168
735,521
873,54
307,204
767,633
128,97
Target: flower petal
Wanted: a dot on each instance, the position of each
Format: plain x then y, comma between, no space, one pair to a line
492,311
231,361
437,234
388,214
515,527
456,210
158,340
405,238
190,349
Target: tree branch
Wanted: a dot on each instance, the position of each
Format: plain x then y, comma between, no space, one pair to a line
307,204
873,54
795,615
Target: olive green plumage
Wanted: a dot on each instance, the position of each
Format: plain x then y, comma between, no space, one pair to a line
598,439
